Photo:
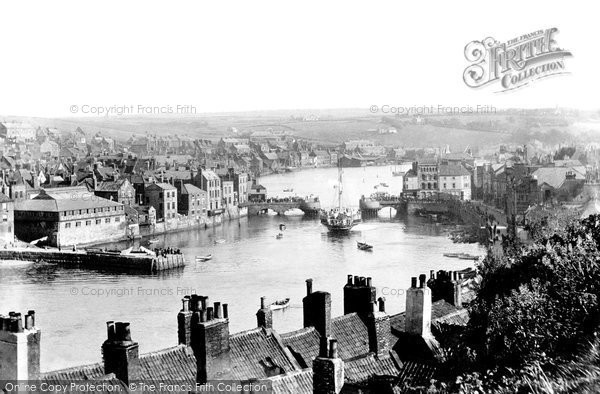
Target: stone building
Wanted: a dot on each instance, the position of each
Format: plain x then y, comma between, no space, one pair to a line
72,216
210,182
121,191
455,180
163,197
192,201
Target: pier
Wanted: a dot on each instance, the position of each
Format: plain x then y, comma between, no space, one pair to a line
112,261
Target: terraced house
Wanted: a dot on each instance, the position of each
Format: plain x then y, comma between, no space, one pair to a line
363,351
69,216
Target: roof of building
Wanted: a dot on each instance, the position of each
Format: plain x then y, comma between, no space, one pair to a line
161,185
110,186
259,353
176,364
555,176
297,382
54,200
453,170
188,188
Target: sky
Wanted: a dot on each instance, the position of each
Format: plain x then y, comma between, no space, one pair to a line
227,56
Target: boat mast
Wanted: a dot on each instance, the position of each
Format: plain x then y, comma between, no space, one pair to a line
339,186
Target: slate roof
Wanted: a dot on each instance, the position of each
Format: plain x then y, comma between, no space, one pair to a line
555,176
299,382
415,374
352,336
361,369
50,201
259,353
172,364
303,344
188,188
453,170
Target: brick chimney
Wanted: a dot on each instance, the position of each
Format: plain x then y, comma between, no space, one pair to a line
447,285
359,294
378,326
317,310
120,353
264,316
328,369
210,339
184,321
418,308
19,347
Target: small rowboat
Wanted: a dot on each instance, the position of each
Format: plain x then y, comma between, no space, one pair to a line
364,246
281,304
203,258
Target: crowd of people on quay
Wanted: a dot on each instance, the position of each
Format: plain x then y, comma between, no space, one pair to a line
165,251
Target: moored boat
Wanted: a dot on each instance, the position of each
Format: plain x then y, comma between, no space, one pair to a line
204,258
280,304
340,219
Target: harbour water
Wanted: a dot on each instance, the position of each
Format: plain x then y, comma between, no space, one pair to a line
73,305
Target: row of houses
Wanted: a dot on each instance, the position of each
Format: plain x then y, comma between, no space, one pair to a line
365,350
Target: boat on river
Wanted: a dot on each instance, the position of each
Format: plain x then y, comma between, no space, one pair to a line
280,304
462,256
204,258
364,246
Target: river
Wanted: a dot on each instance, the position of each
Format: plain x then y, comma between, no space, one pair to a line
72,306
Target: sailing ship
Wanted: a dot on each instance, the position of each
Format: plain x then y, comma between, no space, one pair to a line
340,219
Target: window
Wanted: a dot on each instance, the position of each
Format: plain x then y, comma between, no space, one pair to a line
4,218
454,185
107,220
444,185
88,222
67,225
77,224
98,221
117,219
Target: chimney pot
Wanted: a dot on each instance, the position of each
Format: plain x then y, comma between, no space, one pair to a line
333,349
413,282
217,308
225,311
454,275
122,331
369,281
381,301
204,301
194,302
422,278
432,274
209,313
350,279
309,283
186,304
356,280
262,302
110,328
324,347
363,281
202,316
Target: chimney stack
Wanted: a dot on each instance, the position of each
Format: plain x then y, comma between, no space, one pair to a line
120,353
418,308
210,339
317,310
378,326
359,294
447,286
184,320
19,347
328,369
264,316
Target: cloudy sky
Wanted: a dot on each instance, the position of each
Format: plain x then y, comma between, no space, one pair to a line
234,56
